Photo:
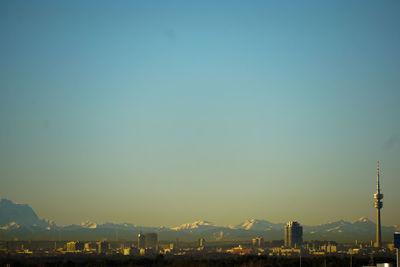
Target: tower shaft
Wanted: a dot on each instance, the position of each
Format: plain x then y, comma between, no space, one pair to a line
378,243
378,205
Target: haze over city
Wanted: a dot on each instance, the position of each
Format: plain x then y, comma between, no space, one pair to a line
167,112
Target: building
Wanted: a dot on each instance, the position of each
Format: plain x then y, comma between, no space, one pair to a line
285,252
396,240
329,248
103,247
258,242
130,251
75,246
151,241
127,252
240,250
378,205
90,246
293,235
71,246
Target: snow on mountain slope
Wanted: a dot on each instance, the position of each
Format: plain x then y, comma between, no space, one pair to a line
195,225
258,225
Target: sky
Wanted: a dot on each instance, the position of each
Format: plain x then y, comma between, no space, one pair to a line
167,112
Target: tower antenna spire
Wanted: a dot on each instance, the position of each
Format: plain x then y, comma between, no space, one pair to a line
378,188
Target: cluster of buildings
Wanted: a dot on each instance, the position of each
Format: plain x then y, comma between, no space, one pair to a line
100,247
292,244
147,244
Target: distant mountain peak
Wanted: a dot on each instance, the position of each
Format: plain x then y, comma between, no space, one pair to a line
19,220
89,224
5,201
254,220
21,214
194,225
248,224
258,225
363,220
50,222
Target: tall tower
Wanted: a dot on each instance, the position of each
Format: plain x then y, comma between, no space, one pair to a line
378,205
293,235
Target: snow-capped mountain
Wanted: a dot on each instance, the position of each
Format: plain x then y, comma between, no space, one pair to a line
198,225
363,220
361,229
20,221
258,225
197,229
88,224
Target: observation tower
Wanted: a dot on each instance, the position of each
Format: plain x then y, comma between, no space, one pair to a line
378,205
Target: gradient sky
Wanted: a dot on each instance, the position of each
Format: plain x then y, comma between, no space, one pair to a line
166,112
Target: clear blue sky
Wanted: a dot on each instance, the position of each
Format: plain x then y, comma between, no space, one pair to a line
164,112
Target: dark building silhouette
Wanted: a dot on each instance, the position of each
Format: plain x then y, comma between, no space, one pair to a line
293,235
258,242
151,241
103,247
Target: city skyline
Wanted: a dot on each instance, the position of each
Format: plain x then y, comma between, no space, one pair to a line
171,112
19,221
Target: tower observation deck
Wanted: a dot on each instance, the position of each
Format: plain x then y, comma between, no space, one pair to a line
378,205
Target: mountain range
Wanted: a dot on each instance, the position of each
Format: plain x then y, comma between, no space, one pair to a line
20,222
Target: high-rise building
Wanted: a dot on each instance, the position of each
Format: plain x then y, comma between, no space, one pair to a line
378,205
258,242
103,247
396,240
293,235
151,241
